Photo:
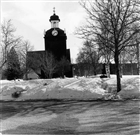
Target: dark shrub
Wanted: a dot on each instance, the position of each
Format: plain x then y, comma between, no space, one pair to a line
16,94
11,74
103,76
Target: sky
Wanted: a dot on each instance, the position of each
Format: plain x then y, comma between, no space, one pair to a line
31,18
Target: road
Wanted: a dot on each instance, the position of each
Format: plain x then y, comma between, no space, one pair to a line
70,117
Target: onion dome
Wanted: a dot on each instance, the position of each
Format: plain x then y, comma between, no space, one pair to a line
54,17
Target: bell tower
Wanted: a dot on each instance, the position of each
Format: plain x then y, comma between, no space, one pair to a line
55,42
54,20
55,38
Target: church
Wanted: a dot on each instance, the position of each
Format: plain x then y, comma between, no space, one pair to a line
55,43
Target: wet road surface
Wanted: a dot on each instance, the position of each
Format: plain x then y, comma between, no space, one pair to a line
70,117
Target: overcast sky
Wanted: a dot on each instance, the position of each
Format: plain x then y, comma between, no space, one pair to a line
31,18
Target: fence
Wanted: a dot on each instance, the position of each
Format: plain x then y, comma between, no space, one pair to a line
87,69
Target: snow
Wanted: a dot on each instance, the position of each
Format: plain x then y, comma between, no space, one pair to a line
70,88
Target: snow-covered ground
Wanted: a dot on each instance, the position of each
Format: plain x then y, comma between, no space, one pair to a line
69,88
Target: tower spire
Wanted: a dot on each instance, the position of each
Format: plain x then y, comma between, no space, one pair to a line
54,19
54,10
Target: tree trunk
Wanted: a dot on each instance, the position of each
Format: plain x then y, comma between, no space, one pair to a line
26,76
138,58
50,75
107,61
95,71
117,71
131,65
63,72
108,69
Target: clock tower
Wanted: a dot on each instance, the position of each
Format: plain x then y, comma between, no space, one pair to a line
55,39
55,42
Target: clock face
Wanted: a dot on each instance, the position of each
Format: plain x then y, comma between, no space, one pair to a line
54,32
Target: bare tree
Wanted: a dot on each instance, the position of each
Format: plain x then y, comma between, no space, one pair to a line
43,63
120,18
138,52
24,47
129,55
105,52
49,64
12,70
138,58
33,62
8,40
89,54
64,66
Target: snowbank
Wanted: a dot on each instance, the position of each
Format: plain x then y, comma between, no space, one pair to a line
129,83
69,88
